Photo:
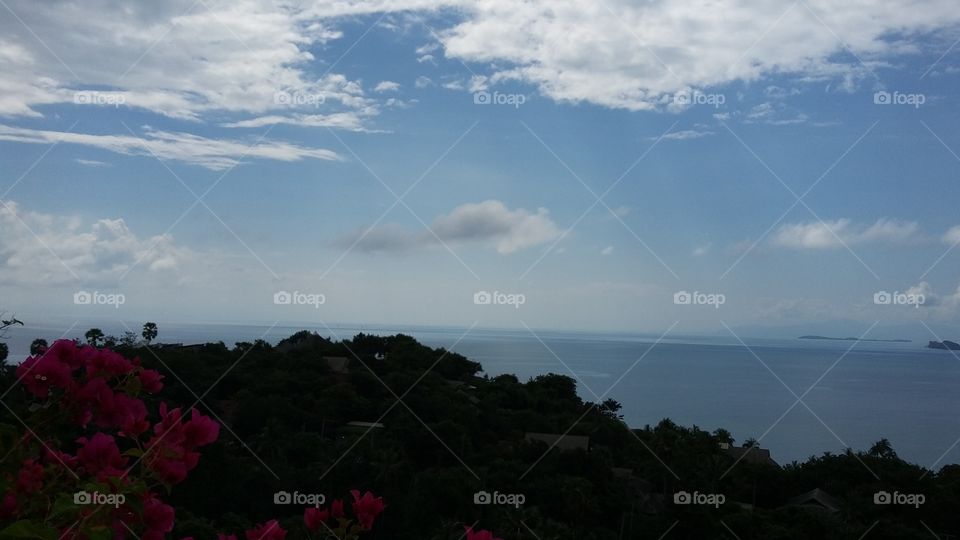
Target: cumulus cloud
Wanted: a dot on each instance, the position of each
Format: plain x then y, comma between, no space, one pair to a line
683,135
836,233
214,154
43,249
184,59
386,86
952,236
488,222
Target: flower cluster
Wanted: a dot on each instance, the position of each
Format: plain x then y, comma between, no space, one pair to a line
334,522
103,479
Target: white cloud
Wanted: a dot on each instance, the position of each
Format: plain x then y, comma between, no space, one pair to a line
607,250
386,86
214,154
952,236
834,234
92,163
345,120
489,222
700,251
423,82
683,135
43,249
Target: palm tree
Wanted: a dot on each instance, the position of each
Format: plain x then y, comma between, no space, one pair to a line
149,332
94,336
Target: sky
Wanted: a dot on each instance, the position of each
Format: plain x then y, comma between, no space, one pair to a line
658,166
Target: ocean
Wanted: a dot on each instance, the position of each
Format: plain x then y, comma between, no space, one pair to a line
900,391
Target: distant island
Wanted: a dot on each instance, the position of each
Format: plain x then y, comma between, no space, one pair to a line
944,345
858,339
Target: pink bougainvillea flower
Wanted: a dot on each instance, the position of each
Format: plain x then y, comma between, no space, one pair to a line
270,530
480,535
157,516
30,477
151,380
100,456
105,361
40,374
8,505
200,430
366,508
336,508
314,518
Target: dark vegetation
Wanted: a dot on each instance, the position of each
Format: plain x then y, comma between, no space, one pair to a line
448,433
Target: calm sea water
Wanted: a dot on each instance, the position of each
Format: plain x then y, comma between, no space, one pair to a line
901,391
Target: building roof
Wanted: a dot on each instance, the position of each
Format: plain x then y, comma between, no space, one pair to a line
816,499
754,454
563,442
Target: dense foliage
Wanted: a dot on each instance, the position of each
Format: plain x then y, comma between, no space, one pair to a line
420,428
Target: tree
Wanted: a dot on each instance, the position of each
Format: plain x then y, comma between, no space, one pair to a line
4,353
38,346
883,449
7,323
94,336
149,332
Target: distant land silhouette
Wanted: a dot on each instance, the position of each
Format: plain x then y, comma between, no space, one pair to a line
856,339
944,345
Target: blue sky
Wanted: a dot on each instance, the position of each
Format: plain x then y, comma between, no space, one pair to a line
307,120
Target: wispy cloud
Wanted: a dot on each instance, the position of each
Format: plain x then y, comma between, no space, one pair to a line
836,233
214,154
